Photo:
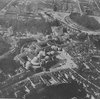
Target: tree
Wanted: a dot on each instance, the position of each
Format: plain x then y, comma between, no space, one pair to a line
55,7
29,8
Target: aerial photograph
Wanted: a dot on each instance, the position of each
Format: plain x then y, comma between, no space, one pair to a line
49,49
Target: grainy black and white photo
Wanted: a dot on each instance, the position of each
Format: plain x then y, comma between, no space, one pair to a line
49,49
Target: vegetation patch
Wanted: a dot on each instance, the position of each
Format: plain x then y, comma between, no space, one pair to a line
4,46
85,21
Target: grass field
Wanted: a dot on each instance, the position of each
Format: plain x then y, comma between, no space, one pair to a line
3,3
